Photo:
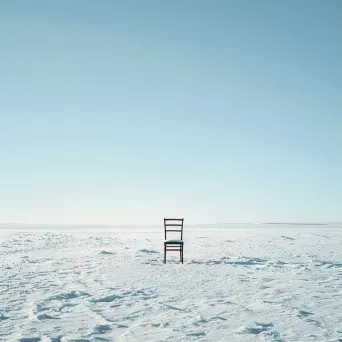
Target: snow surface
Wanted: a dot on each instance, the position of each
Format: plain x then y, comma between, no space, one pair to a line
246,283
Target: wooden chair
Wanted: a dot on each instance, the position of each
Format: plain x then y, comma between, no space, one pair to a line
176,225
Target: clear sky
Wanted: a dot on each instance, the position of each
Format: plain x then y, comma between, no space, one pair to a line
126,112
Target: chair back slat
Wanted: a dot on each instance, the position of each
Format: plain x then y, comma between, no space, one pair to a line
173,222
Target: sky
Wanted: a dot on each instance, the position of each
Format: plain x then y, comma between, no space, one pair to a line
126,112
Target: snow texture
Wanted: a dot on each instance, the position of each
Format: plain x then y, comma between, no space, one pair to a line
251,283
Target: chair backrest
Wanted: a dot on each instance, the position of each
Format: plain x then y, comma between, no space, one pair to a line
173,225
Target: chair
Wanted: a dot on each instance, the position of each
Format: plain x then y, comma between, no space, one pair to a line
174,245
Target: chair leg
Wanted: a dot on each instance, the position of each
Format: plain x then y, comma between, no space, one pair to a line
182,254
164,254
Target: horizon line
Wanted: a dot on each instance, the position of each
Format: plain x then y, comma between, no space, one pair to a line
99,225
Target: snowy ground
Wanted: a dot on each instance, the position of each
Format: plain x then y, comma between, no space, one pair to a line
252,283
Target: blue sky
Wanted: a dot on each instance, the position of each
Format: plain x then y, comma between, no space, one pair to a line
124,112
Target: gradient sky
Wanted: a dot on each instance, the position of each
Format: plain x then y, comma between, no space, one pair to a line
125,112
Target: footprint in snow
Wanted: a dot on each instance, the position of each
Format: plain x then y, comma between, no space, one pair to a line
45,316
287,237
106,299
257,329
148,251
106,253
69,295
303,314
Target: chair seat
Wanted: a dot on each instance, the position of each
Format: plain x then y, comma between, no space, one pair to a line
178,242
